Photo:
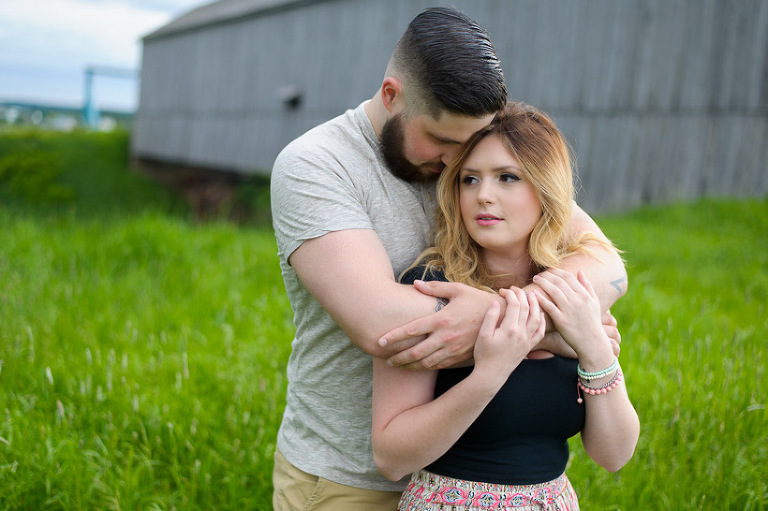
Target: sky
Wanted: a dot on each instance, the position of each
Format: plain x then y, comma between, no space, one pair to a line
46,46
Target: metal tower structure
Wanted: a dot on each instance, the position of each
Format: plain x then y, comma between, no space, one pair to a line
91,115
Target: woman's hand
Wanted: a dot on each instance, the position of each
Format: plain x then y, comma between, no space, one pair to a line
611,428
574,308
499,349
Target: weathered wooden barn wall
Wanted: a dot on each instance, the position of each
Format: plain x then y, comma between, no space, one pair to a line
661,99
213,97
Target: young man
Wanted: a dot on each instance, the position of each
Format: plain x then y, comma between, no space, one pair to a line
353,202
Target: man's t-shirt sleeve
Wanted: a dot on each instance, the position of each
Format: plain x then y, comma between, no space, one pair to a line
312,195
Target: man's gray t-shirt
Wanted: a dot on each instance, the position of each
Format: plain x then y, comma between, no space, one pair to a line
333,178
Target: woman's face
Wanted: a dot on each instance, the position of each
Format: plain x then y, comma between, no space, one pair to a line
499,206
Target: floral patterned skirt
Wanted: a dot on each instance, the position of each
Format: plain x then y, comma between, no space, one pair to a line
431,492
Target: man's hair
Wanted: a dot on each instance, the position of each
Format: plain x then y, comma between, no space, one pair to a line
449,63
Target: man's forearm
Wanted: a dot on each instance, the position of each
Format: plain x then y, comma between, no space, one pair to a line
350,275
554,343
605,271
397,306
603,268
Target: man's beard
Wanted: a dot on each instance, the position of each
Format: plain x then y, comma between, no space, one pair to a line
391,143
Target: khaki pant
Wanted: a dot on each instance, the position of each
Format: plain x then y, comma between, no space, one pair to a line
298,491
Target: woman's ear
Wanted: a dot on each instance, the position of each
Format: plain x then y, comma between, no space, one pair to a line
392,95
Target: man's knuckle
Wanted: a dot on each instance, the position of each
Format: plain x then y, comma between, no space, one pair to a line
418,352
422,364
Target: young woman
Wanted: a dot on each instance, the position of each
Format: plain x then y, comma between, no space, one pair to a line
494,435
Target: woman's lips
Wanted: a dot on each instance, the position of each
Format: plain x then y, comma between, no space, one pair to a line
486,220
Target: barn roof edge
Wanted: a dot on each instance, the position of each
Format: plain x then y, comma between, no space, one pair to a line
224,11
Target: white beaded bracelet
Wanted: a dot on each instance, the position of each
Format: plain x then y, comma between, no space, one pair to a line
598,374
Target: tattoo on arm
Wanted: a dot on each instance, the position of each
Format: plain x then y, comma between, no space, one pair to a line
617,284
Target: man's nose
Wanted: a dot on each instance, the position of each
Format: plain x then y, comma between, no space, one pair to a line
449,154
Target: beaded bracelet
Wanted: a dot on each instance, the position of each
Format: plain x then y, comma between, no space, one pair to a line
599,374
603,389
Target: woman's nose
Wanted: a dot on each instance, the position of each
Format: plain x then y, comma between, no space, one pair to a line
485,193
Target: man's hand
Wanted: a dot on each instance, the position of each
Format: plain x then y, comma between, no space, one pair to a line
450,332
611,327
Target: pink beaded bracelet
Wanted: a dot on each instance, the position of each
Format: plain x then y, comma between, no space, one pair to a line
604,389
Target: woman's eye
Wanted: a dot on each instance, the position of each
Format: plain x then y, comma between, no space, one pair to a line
468,180
508,178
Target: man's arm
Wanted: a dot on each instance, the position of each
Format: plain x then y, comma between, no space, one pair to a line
603,266
349,273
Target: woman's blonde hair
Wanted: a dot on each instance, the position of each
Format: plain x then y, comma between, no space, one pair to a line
545,157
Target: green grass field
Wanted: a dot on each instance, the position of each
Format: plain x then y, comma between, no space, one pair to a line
142,353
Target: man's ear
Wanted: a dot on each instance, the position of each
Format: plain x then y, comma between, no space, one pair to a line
392,95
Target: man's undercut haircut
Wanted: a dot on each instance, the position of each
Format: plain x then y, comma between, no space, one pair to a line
449,63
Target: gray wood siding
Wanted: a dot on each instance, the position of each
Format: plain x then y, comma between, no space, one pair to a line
661,99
